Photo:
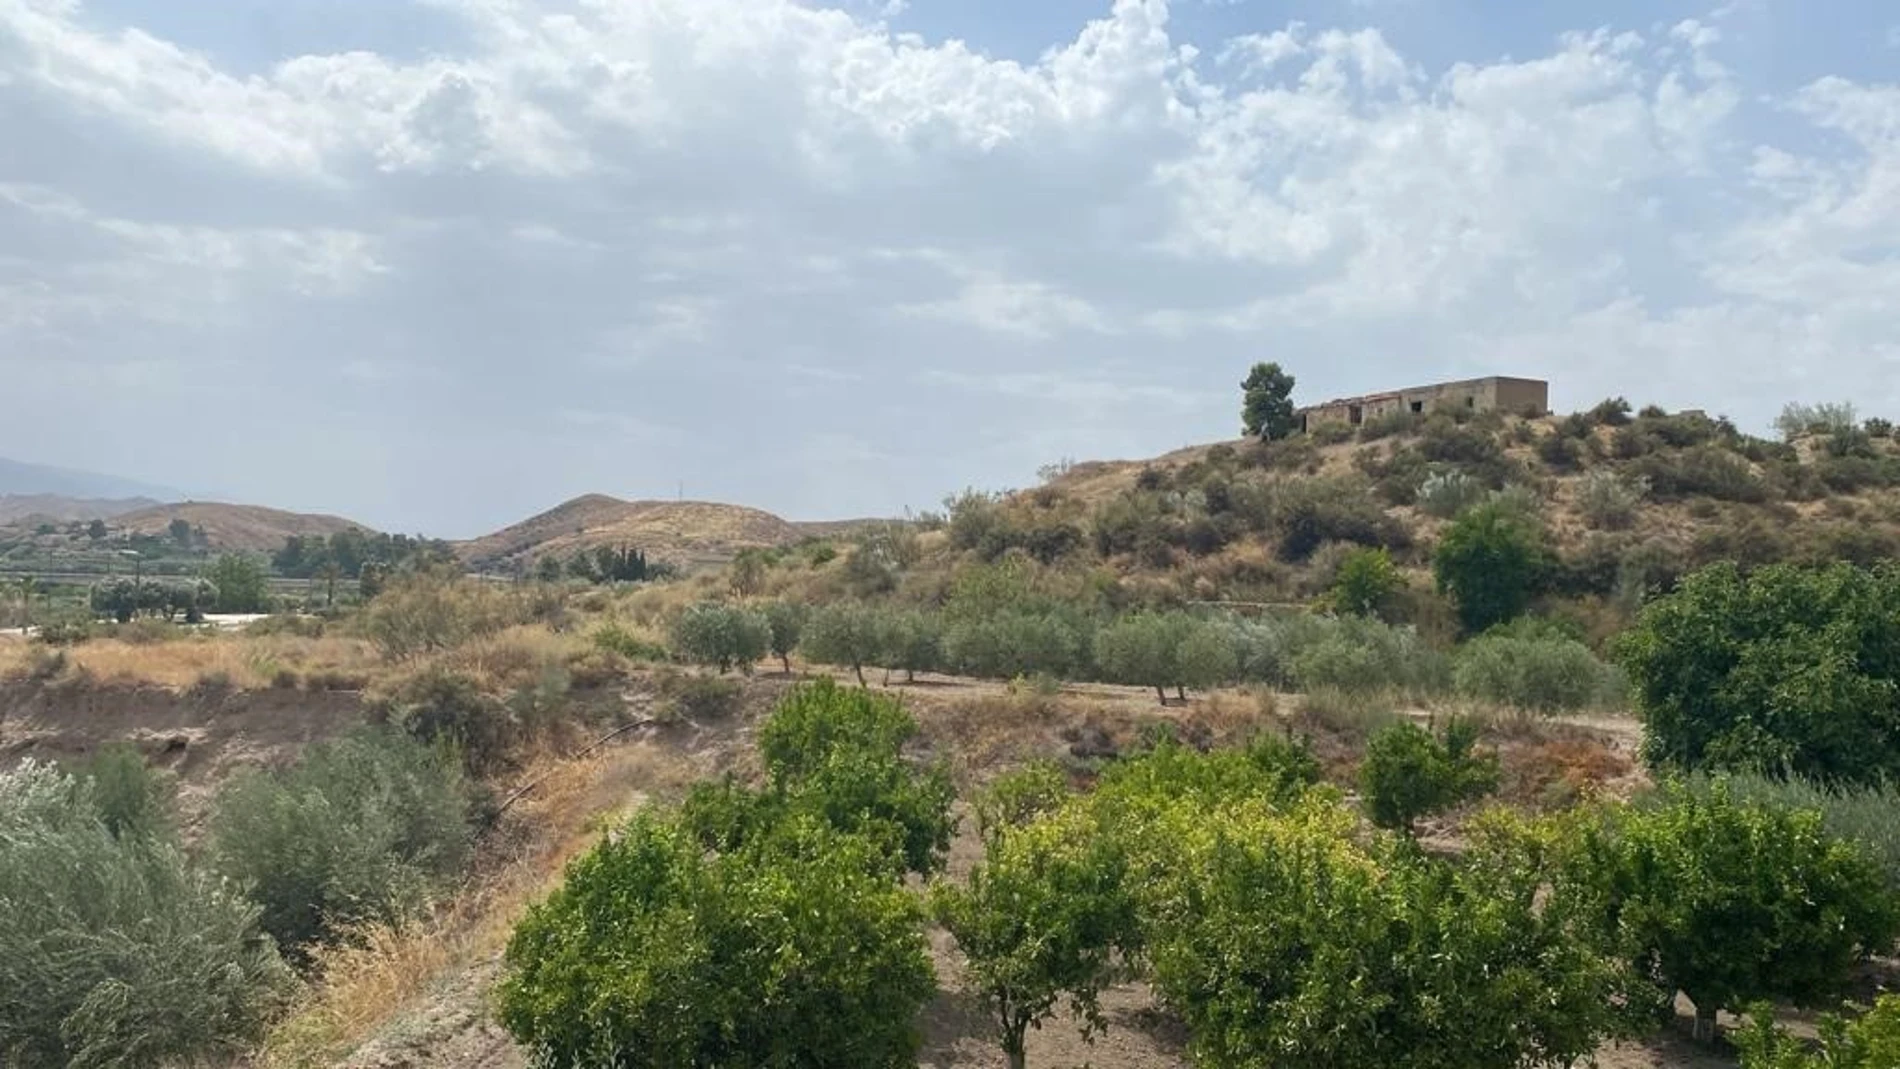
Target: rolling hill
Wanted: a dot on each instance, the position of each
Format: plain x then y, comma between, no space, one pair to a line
54,508
237,528
680,532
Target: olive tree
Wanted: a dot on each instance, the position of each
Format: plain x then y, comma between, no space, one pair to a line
722,636
846,633
787,622
1141,651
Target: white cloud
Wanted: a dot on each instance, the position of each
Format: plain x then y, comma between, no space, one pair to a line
840,268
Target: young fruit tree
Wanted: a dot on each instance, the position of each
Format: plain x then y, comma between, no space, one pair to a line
1045,916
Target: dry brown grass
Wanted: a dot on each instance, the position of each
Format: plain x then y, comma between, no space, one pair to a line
244,662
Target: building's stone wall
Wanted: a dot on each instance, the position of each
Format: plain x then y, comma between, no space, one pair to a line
1478,395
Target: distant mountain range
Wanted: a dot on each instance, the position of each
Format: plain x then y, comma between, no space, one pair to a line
19,479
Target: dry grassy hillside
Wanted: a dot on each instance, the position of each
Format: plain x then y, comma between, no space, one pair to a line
35,509
681,532
233,528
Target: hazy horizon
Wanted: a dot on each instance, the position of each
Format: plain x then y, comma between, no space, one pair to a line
437,265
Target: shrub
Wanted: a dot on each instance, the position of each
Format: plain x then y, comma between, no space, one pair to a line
1612,412
1366,583
1490,561
1560,453
1787,670
113,950
133,800
1727,902
1877,427
1408,773
1797,419
1704,469
699,698
616,639
1389,424
1546,671
1607,501
1871,1041
361,829
1308,513
422,613
650,955
1445,494
451,713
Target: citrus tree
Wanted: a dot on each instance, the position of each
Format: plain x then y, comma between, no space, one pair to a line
790,950
1728,902
1045,916
1783,670
1408,773
1870,1041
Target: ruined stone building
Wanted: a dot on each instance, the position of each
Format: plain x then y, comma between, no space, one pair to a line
1521,396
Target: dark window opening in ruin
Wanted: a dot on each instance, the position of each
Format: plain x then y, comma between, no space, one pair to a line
1355,415
1418,406
1471,402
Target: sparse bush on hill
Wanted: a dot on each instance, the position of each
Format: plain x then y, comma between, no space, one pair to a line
1491,561
1705,470
1607,501
1410,773
360,829
423,613
1308,513
114,951
1612,412
452,713
1787,670
1445,494
1390,424
1366,583
133,799
1798,419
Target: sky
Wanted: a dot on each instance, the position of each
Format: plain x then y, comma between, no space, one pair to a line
439,264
